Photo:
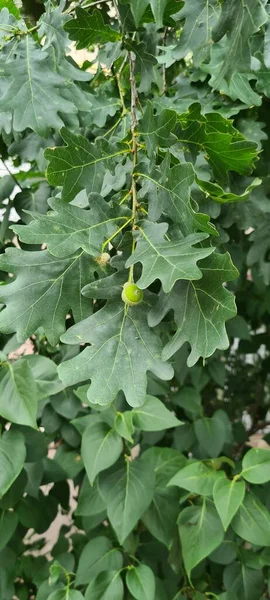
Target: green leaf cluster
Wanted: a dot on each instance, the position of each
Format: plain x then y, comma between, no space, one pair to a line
134,300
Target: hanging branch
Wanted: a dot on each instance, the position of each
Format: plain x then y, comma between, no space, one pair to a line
134,97
164,86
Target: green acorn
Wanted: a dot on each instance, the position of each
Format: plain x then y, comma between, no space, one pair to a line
131,294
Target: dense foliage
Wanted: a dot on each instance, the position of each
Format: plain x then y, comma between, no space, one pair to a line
134,135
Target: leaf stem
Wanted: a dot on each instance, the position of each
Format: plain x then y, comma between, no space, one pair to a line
22,33
120,89
125,197
114,234
8,28
113,127
31,29
135,559
142,209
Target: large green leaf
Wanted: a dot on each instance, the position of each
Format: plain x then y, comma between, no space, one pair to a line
165,462
30,147
168,191
29,199
12,457
161,515
215,192
109,287
196,477
106,586
88,29
102,106
189,398
144,64
6,187
256,465
239,21
200,16
158,7
225,553
245,583
80,164
44,290
15,491
262,76
25,382
98,555
168,261
205,306
8,21
46,378
123,424
228,496
225,147
18,385
69,461
211,435
200,532
69,227
45,589
157,130
259,249
154,416
101,447
138,8
141,582
90,501
33,90
127,493
252,521
8,524
51,25
10,7
123,349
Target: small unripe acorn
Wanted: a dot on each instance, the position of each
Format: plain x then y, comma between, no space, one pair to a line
131,294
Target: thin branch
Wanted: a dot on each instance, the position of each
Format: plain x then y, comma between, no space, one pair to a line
11,174
134,100
28,30
164,66
133,105
134,145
